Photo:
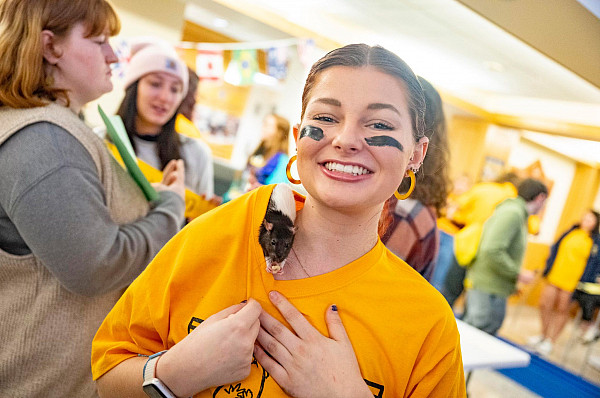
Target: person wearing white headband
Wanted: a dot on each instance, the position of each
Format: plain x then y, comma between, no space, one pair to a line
156,82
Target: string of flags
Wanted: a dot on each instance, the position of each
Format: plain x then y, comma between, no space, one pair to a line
243,65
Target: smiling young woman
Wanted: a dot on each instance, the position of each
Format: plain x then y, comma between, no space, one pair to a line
346,317
156,82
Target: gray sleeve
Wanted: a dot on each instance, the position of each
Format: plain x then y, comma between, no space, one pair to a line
58,207
203,159
208,175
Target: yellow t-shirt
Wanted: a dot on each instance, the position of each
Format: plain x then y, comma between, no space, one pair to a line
478,203
403,332
571,260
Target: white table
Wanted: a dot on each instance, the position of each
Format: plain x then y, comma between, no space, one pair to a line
481,350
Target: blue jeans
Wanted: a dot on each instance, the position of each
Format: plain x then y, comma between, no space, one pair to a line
451,284
445,257
485,311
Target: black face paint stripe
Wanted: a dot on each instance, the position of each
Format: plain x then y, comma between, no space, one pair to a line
313,132
384,140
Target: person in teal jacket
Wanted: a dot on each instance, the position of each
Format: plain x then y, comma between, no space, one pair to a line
493,275
267,164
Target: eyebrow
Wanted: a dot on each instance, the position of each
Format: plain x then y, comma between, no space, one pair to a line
374,106
379,105
329,101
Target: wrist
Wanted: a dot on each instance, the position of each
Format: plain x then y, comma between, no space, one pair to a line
152,385
168,375
361,390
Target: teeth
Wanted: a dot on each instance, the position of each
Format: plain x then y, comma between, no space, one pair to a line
349,169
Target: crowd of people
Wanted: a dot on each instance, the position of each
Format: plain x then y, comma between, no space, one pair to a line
90,271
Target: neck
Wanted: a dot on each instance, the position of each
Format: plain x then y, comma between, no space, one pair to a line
341,238
143,128
74,105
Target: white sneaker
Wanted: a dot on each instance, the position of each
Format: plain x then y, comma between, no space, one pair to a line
534,341
545,347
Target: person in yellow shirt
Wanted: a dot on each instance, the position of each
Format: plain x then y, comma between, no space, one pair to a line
474,206
564,268
207,319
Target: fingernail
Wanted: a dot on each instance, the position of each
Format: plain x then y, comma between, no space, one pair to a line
334,308
273,295
243,301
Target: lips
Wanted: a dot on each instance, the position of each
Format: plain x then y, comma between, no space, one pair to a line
159,110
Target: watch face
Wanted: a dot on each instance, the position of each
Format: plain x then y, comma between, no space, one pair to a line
152,391
156,389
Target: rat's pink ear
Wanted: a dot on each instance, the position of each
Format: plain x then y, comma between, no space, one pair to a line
268,225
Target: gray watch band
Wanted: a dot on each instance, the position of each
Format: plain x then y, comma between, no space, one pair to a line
150,366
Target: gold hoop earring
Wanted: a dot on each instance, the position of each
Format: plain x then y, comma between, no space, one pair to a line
288,170
413,184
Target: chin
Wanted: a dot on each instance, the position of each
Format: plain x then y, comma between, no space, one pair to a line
159,122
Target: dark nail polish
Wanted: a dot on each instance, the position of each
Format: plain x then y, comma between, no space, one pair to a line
334,307
243,301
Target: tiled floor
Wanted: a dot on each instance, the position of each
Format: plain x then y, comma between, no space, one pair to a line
521,322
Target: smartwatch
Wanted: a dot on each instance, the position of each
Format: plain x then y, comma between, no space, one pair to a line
152,386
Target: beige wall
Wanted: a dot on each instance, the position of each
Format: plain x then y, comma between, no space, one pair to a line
581,196
466,139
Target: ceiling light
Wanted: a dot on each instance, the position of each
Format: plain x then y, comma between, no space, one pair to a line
220,23
493,66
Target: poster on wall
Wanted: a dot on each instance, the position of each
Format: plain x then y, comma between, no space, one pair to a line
217,114
492,168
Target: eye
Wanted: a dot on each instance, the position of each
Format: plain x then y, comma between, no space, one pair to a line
100,40
381,126
273,242
324,118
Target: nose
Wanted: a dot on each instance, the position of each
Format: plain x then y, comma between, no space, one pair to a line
165,94
349,138
109,54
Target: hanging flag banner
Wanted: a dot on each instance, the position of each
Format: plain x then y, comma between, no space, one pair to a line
247,65
122,50
209,64
307,52
277,62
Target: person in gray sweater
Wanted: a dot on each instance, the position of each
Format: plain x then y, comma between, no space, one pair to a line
75,229
493,275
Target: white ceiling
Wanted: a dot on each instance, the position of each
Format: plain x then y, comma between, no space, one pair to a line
460,52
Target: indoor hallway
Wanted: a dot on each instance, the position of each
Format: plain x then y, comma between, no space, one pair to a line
569,353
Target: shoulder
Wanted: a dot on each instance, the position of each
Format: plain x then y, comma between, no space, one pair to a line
211,240
46,145
36,152
513,208
246,209
418,215
414,288
195,146
281,157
